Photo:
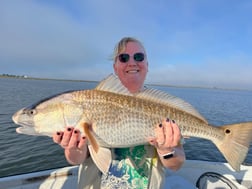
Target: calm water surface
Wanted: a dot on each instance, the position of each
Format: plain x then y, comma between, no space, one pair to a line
23,154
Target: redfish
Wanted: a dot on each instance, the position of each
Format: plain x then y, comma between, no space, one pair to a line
111,117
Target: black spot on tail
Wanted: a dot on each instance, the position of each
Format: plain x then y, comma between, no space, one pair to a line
227,131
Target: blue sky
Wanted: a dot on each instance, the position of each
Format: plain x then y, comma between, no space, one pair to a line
189,43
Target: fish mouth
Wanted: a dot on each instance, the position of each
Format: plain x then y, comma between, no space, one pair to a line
26,130
26,125
20,129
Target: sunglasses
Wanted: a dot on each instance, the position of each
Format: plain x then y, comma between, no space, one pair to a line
124,57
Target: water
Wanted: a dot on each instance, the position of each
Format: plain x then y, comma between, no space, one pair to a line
24,154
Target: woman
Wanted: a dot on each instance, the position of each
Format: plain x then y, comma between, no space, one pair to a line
136,167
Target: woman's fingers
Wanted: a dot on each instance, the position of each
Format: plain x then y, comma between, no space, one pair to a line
57,137
160,135
66,137
167,135
83,142
176,134
74,139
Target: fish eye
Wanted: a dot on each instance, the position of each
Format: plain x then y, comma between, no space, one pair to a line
32,112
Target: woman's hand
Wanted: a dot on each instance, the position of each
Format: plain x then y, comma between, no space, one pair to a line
74,144
167,141
168,136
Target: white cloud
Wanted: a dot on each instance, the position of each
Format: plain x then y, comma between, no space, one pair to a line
228,72
186,45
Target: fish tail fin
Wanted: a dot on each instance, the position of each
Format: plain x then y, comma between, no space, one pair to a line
235,144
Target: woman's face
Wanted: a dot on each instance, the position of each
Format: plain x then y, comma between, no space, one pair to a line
132,73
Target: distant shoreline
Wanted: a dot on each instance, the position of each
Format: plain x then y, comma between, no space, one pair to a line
92,81
54,79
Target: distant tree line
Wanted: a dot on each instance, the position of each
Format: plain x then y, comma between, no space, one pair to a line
10,75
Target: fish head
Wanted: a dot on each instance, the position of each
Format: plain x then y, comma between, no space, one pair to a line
24,118
48,116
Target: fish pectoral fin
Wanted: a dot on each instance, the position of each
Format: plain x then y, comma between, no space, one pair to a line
91,139
102,158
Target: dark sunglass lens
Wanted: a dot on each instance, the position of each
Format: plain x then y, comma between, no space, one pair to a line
124,58
139,57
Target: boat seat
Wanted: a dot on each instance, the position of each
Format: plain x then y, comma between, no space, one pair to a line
210,180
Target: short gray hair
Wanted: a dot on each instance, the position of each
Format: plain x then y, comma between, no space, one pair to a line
120,46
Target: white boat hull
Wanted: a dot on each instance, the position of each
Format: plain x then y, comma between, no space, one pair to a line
67,177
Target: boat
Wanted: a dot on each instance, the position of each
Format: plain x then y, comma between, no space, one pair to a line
202,174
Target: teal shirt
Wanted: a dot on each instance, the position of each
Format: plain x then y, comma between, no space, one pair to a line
130,168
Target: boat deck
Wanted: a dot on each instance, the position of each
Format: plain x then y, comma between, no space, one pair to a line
67,177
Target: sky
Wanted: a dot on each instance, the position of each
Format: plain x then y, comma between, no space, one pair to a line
206,43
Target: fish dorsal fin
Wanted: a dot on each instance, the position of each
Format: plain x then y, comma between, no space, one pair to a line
113,84
167,99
